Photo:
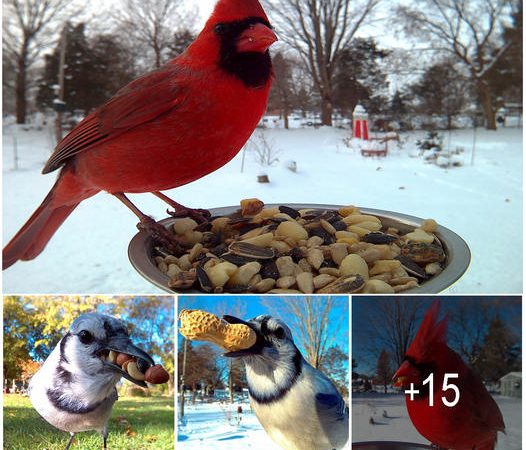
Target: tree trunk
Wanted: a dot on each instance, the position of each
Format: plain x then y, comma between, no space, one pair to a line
487,105
286,119
157,51
326,111
21,85
181,402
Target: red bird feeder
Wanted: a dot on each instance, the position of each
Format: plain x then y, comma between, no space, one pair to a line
360,123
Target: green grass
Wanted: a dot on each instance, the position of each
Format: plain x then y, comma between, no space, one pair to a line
135,424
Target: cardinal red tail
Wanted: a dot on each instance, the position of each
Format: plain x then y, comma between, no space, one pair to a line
33,237
29,242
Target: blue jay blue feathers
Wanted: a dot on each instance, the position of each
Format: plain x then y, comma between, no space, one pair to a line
297,405
74,390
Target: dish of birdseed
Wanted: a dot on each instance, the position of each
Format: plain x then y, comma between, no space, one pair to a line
284,250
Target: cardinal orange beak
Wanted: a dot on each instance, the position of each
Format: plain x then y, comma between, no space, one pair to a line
258,38
405,375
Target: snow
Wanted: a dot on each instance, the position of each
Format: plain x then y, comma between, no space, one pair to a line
398,427
480,202
213,425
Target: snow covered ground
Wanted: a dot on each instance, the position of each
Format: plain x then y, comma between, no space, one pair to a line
480,202
398,427
214,426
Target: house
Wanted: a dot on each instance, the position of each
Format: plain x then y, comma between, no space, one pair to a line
511,384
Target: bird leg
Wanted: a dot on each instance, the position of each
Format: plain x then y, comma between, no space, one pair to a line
199,215
70,441
158,232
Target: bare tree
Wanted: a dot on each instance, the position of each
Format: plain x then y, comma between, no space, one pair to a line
281,92
467,29
468,326
202,368
318,30
152,24
264,148
392,324
314,321
303,90
27,26
384,373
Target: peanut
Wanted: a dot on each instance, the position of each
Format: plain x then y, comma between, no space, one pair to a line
156,375
134,371
203,326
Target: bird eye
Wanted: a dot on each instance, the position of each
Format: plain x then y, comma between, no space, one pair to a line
279,333
219,28
85,337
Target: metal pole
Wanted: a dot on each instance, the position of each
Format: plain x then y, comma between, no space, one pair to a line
15,146
243,158
474,143
181,406
230,387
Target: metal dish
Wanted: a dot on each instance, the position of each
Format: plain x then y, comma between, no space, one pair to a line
141,251
388,445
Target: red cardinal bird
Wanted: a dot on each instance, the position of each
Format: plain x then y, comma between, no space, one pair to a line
473,423
165,129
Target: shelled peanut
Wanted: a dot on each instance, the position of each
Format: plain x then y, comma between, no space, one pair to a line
285,250
139,369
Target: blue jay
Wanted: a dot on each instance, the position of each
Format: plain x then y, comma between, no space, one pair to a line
74,390
297,405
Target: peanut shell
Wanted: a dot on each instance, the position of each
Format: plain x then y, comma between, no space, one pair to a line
204,326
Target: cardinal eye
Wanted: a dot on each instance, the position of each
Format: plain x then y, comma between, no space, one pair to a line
85,337
220,28
279,333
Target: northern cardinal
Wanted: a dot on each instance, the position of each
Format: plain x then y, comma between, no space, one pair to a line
165,129
473,423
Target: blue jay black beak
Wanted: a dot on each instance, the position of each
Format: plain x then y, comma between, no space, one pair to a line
254,350
123,344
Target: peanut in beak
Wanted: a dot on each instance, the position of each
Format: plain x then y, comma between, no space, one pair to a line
204,326
154,375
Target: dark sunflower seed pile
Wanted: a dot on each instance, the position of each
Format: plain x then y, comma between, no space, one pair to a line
281,250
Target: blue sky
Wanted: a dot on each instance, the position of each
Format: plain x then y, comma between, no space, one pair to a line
364,310
247,307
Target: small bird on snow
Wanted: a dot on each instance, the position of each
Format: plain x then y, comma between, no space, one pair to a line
74,390
297,405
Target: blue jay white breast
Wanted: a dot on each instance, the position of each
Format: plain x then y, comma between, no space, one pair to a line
74,390
297,405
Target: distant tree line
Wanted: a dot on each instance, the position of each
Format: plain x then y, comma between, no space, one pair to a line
472,60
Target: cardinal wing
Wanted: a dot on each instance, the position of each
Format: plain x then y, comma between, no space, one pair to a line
139,102
485,412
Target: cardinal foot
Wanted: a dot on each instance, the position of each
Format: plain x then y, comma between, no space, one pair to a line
199,215
160,235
